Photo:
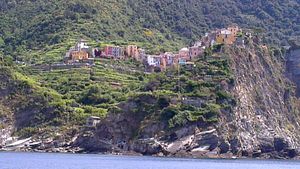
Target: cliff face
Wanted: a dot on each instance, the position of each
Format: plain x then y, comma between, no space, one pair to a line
264,122
24,104
265,118
6,113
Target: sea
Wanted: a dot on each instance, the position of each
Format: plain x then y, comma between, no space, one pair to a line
13,160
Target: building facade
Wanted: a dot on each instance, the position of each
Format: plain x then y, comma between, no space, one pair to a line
142,54
184,54
81,45
227,36
79,55
132,51
116,52
195,51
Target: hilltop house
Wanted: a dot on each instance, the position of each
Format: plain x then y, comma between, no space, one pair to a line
168,59
227,36
209,39
79,55
156,61
171,59
162,61
234,30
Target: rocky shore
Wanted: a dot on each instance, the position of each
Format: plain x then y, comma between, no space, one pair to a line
200,145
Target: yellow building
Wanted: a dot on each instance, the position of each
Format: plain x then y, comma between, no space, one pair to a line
79,55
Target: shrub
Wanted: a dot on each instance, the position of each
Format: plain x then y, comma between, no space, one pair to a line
212,112
179,119
169,113
222,95
26,132
163,102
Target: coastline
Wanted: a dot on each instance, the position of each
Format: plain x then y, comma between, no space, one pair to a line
227,156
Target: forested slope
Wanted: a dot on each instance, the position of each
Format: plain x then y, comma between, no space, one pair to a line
28,24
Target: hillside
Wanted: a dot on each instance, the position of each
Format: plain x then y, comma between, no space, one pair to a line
232,100
25,106
158,25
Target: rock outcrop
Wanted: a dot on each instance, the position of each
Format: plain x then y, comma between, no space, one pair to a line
266,109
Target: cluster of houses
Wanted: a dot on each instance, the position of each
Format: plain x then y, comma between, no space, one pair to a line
82,53
227,36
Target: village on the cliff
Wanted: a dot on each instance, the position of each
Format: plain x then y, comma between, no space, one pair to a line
82,53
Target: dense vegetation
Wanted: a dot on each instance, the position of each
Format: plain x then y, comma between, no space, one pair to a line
38,31
158,25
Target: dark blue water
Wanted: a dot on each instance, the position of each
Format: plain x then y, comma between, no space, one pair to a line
70,161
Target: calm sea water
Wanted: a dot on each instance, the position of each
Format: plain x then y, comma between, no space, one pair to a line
70,161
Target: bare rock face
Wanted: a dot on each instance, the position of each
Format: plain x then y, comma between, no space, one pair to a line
265,120
116,132
5,134
147,147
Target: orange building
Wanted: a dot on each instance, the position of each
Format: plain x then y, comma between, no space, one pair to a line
163,63
227,36
234,30
132,51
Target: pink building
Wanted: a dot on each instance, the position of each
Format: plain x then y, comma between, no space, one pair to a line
113,51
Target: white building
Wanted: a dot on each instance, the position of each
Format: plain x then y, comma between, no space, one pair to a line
81,45
92,121
153,60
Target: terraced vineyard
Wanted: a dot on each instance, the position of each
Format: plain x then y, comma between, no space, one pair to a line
108,81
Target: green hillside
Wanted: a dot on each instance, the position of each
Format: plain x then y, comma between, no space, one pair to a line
158,25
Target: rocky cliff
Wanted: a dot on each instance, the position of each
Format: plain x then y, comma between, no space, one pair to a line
266,118
26,108
264,121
